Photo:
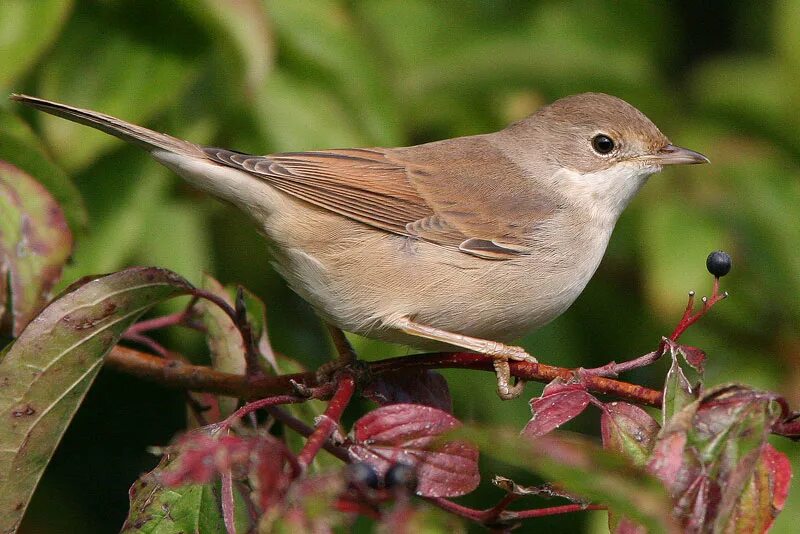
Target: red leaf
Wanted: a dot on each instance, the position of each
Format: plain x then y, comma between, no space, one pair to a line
559,403
409,433
416,386
628,429
202,456
694,357
268,471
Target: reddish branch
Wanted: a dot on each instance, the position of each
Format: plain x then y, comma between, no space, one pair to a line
176,374
498,513
328,421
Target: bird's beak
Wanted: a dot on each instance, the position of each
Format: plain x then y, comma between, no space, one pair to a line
675,155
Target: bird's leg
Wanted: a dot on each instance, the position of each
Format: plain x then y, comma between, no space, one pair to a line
347,356
502,353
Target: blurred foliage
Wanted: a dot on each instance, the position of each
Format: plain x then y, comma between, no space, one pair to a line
265,76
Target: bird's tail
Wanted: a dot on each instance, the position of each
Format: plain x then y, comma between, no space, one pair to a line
137,135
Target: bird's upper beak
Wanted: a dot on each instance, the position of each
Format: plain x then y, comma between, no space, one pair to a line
675,155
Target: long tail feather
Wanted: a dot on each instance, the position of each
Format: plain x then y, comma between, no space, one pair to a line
143,137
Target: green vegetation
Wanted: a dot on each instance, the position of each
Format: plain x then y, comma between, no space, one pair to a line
283,75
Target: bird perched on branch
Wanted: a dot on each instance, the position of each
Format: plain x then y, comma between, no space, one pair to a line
468,242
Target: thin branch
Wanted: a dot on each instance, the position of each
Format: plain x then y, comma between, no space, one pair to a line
329,420
304,430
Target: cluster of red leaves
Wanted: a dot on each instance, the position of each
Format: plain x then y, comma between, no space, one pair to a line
711,450
407,433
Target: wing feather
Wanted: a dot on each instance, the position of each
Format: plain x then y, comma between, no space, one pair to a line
395,191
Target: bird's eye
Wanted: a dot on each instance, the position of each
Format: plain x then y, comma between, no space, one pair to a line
602,144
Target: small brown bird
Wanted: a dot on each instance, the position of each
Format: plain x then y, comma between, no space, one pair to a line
467,242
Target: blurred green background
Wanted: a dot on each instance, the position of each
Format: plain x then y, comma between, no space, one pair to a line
719,77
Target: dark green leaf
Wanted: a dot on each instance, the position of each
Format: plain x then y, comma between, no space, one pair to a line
27,28
126,78
244,24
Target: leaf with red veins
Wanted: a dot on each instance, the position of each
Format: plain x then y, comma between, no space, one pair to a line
764,495
628,429
414,386
410,433
560,402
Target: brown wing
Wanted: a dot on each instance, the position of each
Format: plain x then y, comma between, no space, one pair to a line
403,191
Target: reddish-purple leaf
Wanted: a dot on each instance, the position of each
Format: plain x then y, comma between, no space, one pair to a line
626,526
264,458
628,429
201,456
559,403
35,242
268,473
416,386
694,357
708,452
409,433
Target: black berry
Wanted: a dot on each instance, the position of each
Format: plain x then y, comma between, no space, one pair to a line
361,474
718,263
401,475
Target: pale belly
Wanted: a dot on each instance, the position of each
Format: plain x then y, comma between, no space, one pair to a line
360,279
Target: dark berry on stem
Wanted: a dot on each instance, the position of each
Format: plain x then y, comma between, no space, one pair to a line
361,474
401,475
718,263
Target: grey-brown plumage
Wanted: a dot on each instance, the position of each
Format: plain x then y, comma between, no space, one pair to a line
470,241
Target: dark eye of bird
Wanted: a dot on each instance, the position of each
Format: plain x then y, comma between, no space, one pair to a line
602,144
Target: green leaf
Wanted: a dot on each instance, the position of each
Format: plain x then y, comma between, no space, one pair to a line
244,24
48,369
195,508
581,467
223,338
125,77
297,116
35,242
682,384
26,30
188,248
115,236
328,44
21,147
